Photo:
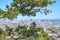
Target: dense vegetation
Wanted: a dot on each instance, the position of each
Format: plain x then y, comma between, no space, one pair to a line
31,32
25,7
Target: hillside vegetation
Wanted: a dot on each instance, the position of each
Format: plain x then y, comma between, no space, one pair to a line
25,32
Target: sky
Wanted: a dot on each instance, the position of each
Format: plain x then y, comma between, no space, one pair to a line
54,15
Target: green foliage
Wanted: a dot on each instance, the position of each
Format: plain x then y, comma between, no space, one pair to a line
26,7
1,31
27,32
43,35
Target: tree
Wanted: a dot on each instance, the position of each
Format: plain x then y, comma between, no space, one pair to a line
9,31
1,31
2,34
33,24
23,32
25,7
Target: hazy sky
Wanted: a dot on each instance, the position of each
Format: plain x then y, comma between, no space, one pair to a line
54,15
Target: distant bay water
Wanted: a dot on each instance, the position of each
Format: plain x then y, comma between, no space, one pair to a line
40,20
50,20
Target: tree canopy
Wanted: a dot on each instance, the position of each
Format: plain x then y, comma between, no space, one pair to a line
25,7
24,32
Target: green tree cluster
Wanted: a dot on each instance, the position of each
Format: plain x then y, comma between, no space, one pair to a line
26,32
